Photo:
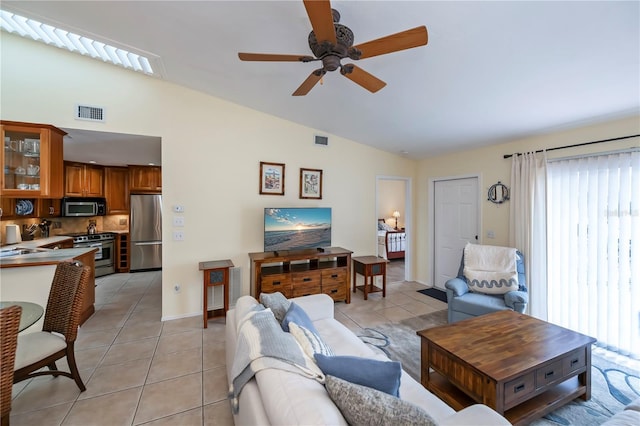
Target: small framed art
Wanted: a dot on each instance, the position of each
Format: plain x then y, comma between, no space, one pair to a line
271,178
311,183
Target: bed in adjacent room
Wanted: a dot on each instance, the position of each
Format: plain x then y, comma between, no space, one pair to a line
391,242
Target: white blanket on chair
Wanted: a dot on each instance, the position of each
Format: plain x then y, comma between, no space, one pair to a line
490,269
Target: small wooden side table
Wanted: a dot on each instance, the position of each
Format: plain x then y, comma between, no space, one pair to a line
216,273
370,267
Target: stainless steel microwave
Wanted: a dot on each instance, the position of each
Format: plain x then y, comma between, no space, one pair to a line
75,207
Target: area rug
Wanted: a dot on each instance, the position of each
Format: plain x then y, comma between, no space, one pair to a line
435,293
612,386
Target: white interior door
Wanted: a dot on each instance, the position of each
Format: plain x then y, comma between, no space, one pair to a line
456,222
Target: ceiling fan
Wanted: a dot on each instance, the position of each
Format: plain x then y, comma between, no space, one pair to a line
331,42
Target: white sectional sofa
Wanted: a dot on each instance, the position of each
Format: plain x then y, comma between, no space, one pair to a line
279,397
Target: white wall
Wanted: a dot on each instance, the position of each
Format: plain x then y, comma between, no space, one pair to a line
211,150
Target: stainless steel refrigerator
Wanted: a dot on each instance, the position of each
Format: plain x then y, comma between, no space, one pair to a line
146,232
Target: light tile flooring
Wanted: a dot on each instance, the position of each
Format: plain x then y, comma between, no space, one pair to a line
139,370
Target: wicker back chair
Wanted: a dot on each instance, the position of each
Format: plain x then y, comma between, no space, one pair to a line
62,316
9,322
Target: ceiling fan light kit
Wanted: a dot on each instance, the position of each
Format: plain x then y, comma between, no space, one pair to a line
331,42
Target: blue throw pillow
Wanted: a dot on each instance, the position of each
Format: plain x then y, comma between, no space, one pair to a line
296,314
380,375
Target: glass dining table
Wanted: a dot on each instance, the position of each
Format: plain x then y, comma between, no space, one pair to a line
31,312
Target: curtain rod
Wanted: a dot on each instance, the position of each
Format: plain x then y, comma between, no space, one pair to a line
577,144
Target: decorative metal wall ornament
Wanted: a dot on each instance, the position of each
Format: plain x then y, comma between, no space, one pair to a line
498,193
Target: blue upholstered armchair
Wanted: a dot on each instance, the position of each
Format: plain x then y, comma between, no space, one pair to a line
463,303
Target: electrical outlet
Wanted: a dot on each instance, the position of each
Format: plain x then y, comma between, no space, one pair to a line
123,221
178,221
178,235
491,234
177,288
178,208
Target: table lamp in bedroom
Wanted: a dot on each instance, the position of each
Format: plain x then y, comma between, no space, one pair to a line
396,214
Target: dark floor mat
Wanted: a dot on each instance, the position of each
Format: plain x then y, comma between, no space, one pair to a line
435,293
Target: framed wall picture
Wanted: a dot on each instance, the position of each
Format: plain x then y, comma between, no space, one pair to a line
271,178
311,183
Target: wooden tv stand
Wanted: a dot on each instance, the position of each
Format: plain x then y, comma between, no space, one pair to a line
302,272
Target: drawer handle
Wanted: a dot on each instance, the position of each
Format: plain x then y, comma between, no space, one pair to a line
549,374
518,388
574,362
306,279
334,276
334,291
308,294
276,283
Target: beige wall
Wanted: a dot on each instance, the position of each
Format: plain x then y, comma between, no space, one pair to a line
488,163
391,196
211,151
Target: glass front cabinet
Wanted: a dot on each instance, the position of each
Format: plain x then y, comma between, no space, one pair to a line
32,160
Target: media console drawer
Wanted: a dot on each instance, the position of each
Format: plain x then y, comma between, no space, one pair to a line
302,272
277,282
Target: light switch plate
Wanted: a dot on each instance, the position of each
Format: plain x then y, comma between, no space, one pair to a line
178,208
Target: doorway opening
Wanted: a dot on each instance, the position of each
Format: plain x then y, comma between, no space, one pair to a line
394,210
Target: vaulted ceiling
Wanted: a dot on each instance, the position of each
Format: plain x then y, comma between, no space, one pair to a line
493,71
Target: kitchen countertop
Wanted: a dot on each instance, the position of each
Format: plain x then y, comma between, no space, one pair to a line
38,242
47,257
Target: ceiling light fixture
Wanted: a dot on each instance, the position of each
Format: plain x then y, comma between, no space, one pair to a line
26,27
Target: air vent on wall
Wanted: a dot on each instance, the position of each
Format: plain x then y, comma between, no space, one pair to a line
322,140
91,113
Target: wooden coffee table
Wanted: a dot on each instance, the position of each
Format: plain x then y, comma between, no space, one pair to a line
518,365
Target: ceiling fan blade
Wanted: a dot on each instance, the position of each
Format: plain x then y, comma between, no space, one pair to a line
392,43
308,84
321,18
363,78
274,57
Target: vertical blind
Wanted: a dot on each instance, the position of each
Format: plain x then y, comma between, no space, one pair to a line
593,235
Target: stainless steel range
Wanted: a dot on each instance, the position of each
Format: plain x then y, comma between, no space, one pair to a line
104,242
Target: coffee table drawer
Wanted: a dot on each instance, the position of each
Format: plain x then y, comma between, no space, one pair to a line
549,374
518,388
574,361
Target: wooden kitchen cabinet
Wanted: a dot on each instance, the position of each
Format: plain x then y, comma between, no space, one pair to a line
8,206
47,207
32,160
116,189
122,253
145,179
83,180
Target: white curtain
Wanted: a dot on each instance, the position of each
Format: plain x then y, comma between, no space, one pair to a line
594,248
527,224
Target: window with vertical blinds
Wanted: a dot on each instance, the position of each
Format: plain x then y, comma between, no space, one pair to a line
593,232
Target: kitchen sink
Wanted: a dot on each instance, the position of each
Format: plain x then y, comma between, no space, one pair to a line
17,251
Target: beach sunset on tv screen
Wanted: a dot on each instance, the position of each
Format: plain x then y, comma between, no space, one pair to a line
297,228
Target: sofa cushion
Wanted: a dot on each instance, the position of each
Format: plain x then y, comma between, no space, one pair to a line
361,405
310,342
278,304
296,314
381,375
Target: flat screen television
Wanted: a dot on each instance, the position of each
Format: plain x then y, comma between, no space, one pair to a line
297,228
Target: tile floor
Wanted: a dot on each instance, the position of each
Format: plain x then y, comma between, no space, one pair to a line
139,370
